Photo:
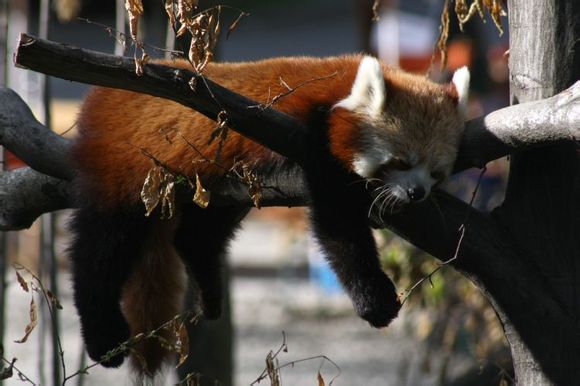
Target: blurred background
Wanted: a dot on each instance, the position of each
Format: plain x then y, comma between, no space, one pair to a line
281,290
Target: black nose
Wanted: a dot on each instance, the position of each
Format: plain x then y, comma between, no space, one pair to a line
416,193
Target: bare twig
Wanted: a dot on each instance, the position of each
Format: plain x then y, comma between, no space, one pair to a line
461,230
23,377
290,90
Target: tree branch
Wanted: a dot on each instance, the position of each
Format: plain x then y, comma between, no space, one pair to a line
520,127
486,138
39,147
208,98
26,194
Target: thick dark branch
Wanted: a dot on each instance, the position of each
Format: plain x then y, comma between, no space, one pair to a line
487,138
26,194
267,126
519,127
39,147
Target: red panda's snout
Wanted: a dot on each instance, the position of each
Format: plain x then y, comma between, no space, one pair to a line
396,184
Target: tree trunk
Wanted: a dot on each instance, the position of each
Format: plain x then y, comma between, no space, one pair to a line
541,213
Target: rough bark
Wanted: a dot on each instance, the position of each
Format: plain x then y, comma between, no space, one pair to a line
540,216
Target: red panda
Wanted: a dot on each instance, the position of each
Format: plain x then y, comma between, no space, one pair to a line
385,138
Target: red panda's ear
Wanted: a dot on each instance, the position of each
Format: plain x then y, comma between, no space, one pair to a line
368,90
461,82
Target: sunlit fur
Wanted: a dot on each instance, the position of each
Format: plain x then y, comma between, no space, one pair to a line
367,120
412,120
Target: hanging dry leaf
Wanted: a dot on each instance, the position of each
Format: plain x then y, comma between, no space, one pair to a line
497,12
201,196
67,10
272,370
7,372
376,7
204,29
182,344
168,197
159,188
139,62
150,193
255,192
134,10
170,10
443,34
53,299
22,282
221,129
320,379
249,177
33,321
465,13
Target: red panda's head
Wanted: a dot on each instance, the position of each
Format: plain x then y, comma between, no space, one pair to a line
399,130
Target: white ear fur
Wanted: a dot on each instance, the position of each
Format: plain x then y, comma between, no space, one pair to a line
368,89
461,82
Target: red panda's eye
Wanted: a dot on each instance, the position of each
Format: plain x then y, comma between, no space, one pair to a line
438,176
399,164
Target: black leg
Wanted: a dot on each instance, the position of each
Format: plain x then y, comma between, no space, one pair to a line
201,240
103,251
338,212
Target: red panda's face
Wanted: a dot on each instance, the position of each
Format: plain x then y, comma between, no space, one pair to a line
408,131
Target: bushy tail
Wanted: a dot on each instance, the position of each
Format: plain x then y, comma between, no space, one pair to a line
152,296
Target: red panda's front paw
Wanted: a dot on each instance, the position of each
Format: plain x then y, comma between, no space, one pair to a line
377,302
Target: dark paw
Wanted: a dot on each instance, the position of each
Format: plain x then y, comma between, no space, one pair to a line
105,346
376,301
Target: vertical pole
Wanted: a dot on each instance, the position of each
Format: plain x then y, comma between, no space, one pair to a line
3,235
48,264
120,26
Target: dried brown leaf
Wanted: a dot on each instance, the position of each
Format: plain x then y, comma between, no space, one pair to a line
67,10
22,282
170,10
53,299
201,196
151,193
221,129
168,197
8,372
33,322
250,178
272,370
139,62
444,33
185,9
497,12
320,379
376,7
465,13
182,343
134,10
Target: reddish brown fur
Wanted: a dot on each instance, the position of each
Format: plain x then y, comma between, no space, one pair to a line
154,295
117,127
